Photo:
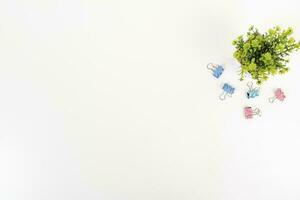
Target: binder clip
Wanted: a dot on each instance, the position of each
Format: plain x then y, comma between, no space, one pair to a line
228,90
252,92
250,112
278,94
216,69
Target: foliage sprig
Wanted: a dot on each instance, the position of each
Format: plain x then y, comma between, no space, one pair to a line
262,55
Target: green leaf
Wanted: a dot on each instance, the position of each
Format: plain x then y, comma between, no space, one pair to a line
252,66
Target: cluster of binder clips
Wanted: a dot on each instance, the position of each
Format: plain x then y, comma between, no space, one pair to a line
228,90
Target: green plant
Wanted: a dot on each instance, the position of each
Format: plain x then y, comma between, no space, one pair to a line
262,55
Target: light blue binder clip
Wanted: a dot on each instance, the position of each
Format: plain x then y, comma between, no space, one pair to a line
252,92
216,69
228,90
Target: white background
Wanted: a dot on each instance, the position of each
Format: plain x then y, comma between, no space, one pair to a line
111,100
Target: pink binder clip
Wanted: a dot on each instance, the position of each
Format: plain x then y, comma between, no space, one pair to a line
249,112
278,94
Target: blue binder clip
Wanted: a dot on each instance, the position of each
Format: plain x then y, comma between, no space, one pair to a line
228,90
216,69
252,92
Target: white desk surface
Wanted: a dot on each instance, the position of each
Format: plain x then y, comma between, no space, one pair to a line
111,100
